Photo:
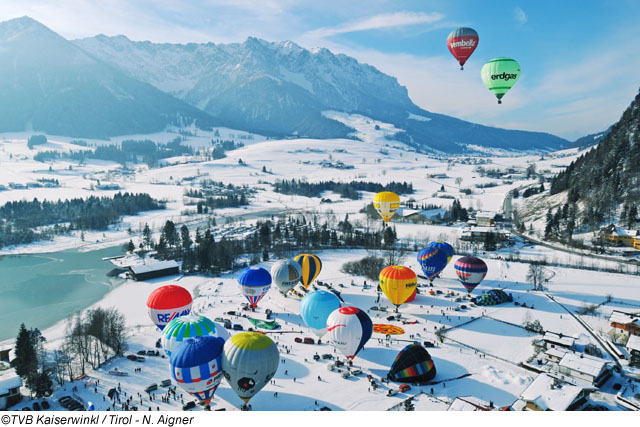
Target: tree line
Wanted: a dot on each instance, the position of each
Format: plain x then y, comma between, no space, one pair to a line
347,190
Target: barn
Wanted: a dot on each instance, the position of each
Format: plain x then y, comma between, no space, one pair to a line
153,270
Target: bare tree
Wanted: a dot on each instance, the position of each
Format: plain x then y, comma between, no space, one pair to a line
536,276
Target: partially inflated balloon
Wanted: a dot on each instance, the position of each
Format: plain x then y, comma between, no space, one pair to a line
445,247
168,302
386,203
311,266
286,273
190,326
412,365
470,271
499,75
250,360
349,330
315,309
432,261
461,43
254,282
196,366
398,283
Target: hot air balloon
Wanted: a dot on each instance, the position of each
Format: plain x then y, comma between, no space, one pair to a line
386,203
461,43
412,297
196,366
250,360
286,273
432,261
499,75
255,282
311,266
470,271
168,302
412,365
189,326
444,246
349,329
315,309
398,283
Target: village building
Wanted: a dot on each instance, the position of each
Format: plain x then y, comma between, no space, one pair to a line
633,345
554,340
479,234
618,236
10,384
548,393
486,219
429,216
153,270
590,369
470,403
624,325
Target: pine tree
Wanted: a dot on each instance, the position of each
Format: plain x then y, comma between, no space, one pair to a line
146,237
131,247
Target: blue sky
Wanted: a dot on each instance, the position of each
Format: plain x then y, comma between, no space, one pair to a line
580,59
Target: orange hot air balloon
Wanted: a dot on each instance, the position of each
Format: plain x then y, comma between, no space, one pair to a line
398,283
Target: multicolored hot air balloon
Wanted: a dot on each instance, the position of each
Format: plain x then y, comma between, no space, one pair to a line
499,75
386,203
254,282
445,247
412,365
470,271
349,330
315,309
461,43
189,326
250,360
168,302
196,366
432,261
286,273
311,266
398,283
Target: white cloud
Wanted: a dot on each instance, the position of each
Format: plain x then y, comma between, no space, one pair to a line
520,17
379,22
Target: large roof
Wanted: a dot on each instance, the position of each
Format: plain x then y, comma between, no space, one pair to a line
155,266
469,403
583,363
562,340
8,380
634,343
623,318
550,394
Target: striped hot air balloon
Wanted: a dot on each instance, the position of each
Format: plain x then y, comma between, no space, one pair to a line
196,365
349,330
286,273
168,302
398,283
189,326
412,365
254,282
470,271
499,75
311,266
386,203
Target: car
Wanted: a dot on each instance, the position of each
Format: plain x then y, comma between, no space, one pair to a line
346,374
316,357
219,319
153,353
64,400
356,372
331,366
188,405
339,363
45,404
231,313
428,344
298,340
238,327
132,357
390,318
325,408
404,387
140,359
165,383
392,392
151,387
141,353
327,356
464,307
36,406
308,340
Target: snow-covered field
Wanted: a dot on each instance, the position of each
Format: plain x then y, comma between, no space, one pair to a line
483,345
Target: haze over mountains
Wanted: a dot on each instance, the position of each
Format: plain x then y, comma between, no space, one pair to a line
106,86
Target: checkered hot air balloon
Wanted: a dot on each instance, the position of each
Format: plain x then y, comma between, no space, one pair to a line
254,282
470,271
190,326
196,365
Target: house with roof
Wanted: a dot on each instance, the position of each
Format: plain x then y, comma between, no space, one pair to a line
479,233
485,219
624,324
154,269
10,384
582,367
470,403
429,216
618,236
556,340
549,393
633,345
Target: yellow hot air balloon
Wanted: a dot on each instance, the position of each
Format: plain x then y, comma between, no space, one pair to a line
398,283
386,203
311,266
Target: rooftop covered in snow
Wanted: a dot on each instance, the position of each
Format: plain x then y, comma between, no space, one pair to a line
549,394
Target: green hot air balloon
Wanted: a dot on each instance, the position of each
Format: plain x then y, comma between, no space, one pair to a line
499,75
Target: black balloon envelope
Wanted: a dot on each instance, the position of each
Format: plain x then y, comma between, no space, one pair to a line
412,365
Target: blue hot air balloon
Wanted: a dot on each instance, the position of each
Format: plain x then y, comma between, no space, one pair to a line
196,365
315,309
255,282
432,261
444,246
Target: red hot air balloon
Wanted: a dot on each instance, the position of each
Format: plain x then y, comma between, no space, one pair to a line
168,302
461,43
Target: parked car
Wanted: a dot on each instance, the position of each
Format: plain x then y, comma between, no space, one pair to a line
151,387
45,404
141,353
308,340
390,318
165,383
140,359
327,356
153,353
36,406
316,357
346,374
404,387
132,357
428,344
188,405
219,319
392,392
238,327
356,372
298,340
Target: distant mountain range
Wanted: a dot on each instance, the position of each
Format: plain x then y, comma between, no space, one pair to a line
591,139
102,86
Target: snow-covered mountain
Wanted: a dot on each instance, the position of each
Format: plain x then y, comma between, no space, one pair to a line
48,84
282,89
